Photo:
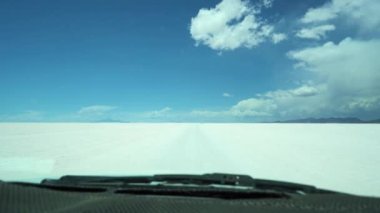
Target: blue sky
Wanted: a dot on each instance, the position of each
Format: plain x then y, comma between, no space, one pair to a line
229,60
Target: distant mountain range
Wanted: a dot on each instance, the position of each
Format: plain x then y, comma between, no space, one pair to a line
303,120
109,121
330,120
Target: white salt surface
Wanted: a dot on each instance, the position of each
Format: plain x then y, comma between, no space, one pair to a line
340,157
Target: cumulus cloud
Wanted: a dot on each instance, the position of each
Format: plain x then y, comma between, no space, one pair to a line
230,25
96,109
254,107
351,70
320,14
344,63
271,105
363,12
303,91
346,83
296,102
317,33
348,73
344,76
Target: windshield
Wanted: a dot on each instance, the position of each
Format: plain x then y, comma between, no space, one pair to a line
279,90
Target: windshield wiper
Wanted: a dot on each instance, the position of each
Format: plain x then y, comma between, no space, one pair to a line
227,186
207,182
206,179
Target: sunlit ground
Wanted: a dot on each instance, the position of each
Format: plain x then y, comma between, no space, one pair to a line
342,157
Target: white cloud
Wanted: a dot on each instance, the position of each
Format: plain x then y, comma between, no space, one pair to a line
302,91
321,14
270,105
158,113
246,108
267,3
290,103
350,69
346,83
318,32
348,75
363,12
344,76
95,109
363,103
227,95
254,107
230,25
278,37
351,66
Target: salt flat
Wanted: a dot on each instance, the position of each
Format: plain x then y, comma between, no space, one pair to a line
342,157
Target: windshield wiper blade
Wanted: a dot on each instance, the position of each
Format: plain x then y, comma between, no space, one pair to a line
209,179
206,179
214,180
217,185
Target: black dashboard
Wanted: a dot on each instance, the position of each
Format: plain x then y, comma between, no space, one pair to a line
32,199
